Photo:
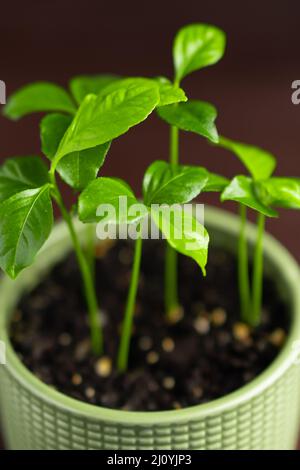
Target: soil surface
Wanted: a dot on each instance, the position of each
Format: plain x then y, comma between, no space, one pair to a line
205,354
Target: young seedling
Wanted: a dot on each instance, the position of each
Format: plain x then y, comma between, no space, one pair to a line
196,46
76,137
194,116
262,193
45,96
165,188
76,147
174,175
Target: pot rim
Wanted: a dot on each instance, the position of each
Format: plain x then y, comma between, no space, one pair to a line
222,221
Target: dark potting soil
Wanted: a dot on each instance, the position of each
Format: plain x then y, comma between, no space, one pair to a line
205,354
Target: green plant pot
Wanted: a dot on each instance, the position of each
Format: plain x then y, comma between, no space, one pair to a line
261,415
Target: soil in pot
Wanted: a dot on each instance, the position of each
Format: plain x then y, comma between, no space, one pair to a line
205,354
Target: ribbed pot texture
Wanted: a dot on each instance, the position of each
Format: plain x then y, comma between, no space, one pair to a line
264,414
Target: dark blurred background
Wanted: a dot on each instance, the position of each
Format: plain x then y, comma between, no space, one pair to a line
251,87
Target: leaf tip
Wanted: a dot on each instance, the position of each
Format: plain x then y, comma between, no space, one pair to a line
12,272
9,113
215,137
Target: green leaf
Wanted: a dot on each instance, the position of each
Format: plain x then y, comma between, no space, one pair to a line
168,184
169,93
78,168
52,129
101,119
197,46
183,232
20,173
280,192
84,85
25,223
106,192
194,116
38,97
258,162
241,189
215,183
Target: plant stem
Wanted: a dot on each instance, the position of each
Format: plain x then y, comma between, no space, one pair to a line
257,280
123,353
171,281
90,248
174,145
171,268
243,267
88,283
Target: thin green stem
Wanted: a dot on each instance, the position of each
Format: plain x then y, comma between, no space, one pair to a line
88,283
171,281
123,353
174,145
243,267
257,279
171,268
90,248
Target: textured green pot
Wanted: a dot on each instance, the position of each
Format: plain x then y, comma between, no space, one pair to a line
262,415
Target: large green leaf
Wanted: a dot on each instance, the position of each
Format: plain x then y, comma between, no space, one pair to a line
241,189
78,168
194,116
183,232
280,192
38,97
20,173
101,119
197,46
25,223
258,162
168,184
105,193
169,93
84,85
